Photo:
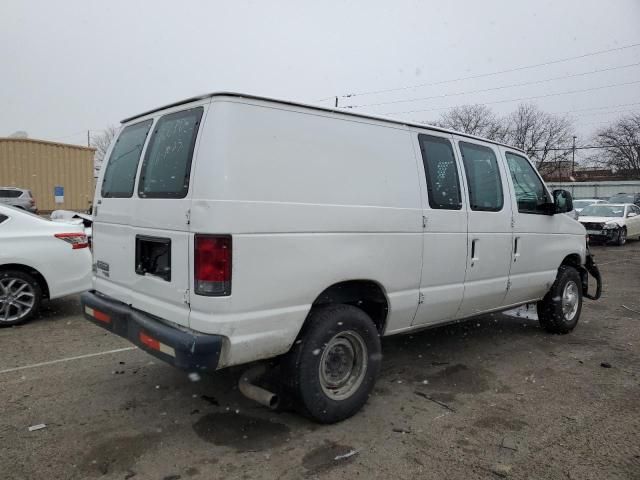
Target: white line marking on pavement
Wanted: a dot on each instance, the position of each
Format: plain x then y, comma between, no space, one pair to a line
68,359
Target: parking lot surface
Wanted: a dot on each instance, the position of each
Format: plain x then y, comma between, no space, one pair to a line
494,397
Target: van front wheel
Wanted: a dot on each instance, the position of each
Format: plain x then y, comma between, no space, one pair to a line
559,310
333,365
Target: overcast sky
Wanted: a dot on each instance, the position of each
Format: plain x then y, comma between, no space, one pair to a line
69,66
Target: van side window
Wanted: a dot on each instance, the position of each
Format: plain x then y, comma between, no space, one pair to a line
441,172
120,173
167,163
483,177
530,191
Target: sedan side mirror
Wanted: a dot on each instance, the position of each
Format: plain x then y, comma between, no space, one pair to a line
562,200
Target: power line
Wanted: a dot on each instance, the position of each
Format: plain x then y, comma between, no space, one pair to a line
488,74
520,99
534,82
606,113
570,147
599,108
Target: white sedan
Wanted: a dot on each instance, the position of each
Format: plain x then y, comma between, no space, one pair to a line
611,222
39,259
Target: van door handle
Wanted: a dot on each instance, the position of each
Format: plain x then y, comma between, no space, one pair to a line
473,251
516,251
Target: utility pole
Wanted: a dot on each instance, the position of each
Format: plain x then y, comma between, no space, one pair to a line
573,157
336,102
88,138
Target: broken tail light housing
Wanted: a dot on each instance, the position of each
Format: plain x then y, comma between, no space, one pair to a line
76,239
212,265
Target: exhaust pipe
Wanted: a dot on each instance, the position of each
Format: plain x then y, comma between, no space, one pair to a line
255,393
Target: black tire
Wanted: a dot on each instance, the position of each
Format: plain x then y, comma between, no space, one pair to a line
551,309
6,309
330,337
621,238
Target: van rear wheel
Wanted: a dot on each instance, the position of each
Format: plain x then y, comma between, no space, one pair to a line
559,310
333,365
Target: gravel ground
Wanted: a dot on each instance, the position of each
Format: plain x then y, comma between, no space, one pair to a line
494,397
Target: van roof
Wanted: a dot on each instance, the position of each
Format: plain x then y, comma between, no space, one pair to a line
316,107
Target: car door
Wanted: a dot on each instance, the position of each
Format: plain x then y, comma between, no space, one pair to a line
539,241
142,242
445,229
489,227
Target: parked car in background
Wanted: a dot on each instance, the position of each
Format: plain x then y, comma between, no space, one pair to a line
18,197
230,228
578,205
626,198
611,222
39,260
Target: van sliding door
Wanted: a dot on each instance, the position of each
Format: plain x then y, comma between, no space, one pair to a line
445,230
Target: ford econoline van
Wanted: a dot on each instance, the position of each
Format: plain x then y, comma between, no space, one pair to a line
230,228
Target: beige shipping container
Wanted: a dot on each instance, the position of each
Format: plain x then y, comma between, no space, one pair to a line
41,166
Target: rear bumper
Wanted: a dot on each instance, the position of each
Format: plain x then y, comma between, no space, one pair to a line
184,348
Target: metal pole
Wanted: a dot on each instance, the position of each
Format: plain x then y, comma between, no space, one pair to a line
336,102
573,157
88,138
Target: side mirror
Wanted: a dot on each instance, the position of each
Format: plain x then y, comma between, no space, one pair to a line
562,200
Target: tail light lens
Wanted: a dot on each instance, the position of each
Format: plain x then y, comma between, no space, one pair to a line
76,239
212,265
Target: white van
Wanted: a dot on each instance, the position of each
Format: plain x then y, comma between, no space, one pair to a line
231,228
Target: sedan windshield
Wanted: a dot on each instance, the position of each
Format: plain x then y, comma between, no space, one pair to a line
602,211
583,203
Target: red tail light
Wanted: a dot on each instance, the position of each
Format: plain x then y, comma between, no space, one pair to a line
76,239
212,265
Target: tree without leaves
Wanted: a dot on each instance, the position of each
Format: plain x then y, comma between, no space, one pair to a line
621,142
474,120
101,144
537,133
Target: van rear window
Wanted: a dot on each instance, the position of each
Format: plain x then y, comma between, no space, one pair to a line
167,163
120,175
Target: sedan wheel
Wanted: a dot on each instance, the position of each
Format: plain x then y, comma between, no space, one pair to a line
20,297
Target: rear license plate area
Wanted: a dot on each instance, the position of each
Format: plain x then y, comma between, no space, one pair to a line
153,256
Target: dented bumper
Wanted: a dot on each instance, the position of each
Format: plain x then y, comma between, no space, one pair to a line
591,269
179,346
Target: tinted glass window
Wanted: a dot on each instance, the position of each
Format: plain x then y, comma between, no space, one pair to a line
120,175
167,163
10,193
443,184
530,191
3,218
483,177
634,209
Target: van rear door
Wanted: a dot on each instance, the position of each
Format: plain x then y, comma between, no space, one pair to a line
142,241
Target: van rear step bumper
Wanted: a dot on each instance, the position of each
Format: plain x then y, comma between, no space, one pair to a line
181,347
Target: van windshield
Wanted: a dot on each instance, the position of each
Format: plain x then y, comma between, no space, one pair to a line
120,174
167,163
